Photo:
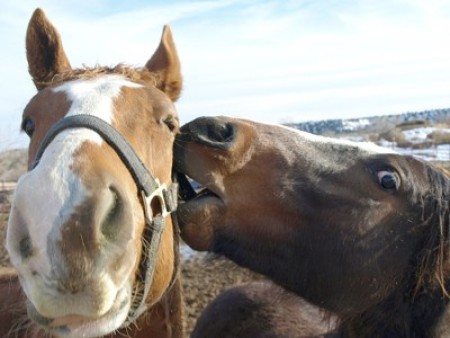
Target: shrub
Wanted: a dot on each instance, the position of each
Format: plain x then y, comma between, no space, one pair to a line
397,136
439,137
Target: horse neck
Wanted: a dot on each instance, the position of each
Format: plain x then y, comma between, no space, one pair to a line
427,314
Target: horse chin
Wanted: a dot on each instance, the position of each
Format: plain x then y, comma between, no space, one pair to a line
197,219
72,326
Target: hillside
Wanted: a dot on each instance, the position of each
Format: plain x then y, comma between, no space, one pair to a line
425,134
373,123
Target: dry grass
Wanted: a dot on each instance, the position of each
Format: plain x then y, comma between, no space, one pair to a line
439,137
13,164
5,205
395,135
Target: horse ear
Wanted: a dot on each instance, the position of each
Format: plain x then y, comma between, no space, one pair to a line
45,53
166,65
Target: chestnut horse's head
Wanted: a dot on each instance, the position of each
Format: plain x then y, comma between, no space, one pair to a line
75,233
340,223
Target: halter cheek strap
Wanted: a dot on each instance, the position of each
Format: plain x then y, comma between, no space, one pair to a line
150,190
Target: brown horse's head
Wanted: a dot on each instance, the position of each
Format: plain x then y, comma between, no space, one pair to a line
75,232
340,223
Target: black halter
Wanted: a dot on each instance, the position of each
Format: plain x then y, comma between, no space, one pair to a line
149,188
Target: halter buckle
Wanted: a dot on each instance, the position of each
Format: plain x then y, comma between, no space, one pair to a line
152,210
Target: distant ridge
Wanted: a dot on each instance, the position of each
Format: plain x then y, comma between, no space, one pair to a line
339,126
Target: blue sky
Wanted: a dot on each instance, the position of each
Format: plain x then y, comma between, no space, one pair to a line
273,61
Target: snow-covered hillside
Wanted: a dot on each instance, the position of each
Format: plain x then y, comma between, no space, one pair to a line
338,126
414,128
432,152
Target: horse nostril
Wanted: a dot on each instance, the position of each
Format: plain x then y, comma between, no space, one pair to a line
113,218
214,132
223,132
25,247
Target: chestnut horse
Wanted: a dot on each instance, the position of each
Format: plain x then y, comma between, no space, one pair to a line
352,228
89,234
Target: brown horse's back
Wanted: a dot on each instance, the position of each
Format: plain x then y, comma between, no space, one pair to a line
263,310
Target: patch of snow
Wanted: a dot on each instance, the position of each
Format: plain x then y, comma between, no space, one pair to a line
419,135
439,152
186,252
355,138
350,125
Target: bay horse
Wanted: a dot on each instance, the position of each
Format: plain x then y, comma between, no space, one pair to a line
354,229
89,231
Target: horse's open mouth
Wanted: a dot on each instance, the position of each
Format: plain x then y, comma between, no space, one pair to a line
199,210
190,189
197,204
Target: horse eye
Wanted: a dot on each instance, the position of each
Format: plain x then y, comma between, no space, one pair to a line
388,180
171,123
28,126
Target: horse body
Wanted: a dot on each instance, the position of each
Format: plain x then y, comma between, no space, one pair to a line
354,229
263,310
76,228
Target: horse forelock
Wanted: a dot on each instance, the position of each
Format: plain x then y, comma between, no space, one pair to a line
136,74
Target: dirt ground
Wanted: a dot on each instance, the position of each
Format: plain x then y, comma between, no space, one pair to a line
203,277
5,196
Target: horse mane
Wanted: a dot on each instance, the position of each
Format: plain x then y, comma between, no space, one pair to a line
435,262
415,307
135,74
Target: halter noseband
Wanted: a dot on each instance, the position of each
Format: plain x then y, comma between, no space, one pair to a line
149,188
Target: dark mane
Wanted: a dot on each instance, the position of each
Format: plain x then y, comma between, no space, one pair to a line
415,307
434,263
136,74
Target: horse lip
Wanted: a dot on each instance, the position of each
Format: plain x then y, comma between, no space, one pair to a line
36,316
199,209
63,324
205,192
55,323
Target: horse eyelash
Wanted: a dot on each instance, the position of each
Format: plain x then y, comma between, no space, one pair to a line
170,123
